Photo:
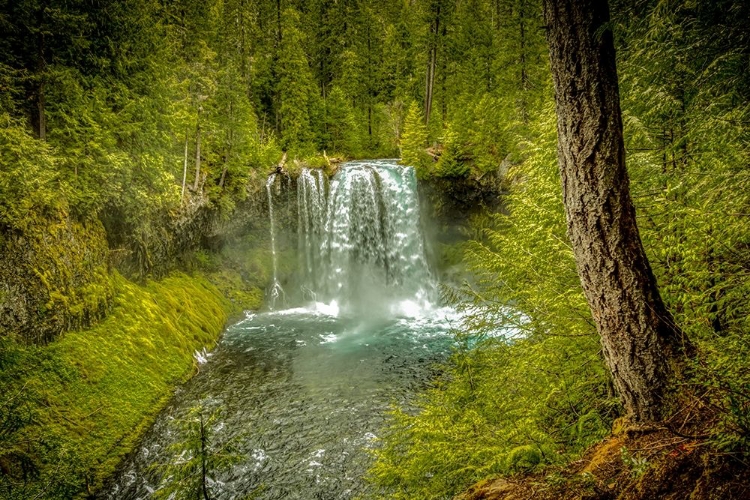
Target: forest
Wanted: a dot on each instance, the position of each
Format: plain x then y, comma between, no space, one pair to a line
580,170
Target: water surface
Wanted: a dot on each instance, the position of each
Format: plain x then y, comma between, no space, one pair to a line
303,394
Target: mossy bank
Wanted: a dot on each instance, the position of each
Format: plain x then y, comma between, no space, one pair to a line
73,409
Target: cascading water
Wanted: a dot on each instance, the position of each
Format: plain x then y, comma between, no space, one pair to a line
275,292
311,206
302,393
361,246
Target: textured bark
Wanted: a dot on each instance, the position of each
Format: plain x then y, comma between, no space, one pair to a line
524,76
41,113
431,64
639,338
184,169
197,180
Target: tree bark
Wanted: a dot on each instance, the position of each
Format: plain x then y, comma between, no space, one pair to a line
444,80
197,180
640,340
524,77
431,63
227,157
41,113
184,169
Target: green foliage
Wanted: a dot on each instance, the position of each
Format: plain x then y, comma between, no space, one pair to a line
341,125
27,176
56,275
299,102
524,457
501,408
452,162
80,404
505,407
198,456
108,108
414,142
686,124
637,465
509,405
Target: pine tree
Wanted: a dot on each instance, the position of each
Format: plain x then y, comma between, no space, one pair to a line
639,337
298,97
414,142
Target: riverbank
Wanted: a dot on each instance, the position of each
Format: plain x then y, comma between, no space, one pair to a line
74,408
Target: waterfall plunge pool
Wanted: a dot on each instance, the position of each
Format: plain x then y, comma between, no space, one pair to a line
303,394
300,395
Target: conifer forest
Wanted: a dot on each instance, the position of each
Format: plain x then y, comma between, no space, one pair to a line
375,249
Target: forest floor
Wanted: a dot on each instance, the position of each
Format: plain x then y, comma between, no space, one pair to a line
634,463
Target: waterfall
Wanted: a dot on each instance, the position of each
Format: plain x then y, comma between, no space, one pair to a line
360,241
311,203
275,292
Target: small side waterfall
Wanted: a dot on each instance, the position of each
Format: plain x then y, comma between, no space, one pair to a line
311,205
360,242
275,292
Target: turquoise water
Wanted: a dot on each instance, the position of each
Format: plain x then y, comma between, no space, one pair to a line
304,394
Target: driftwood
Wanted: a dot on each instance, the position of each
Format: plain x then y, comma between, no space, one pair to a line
332,163
435,152
280,167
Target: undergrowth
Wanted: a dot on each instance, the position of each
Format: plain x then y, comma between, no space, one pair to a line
73,409
507,404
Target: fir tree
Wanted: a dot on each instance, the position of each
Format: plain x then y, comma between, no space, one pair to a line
414,142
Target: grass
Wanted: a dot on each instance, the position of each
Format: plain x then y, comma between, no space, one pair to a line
93,392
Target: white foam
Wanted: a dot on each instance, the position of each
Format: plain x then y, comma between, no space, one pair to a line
331,309
202,356
328,338
408,309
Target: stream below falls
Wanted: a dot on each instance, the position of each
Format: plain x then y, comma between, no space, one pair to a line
298,396
303,395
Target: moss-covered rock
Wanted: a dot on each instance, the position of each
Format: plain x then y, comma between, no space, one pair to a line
53,278
242,295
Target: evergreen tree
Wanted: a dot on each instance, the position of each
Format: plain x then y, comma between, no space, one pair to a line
298,97
199,456
414,142
639,338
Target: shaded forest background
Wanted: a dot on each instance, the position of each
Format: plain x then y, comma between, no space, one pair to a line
131,129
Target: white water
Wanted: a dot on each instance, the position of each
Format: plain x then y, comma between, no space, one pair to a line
360,243
275,292
304,391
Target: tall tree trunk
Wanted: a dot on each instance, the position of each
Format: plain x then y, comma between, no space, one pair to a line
431,63
640,341
444,81
41,112
524,77
184,168
278,23
196,182
227,156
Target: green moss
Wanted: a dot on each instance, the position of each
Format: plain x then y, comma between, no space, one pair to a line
242,295
239,271
94,392
57,277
